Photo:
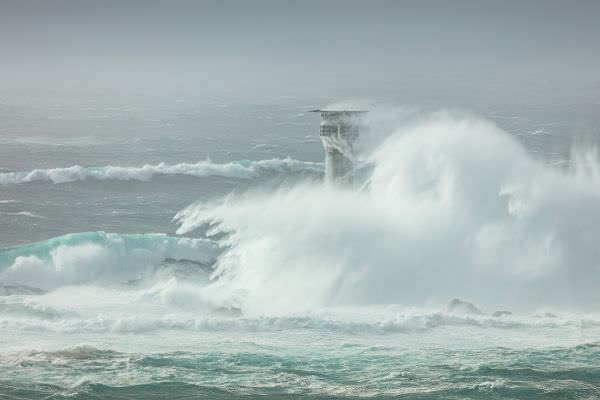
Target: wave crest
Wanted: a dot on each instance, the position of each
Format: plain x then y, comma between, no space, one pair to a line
97,257
238,169
453,207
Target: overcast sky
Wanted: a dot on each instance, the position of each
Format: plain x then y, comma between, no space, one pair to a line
304,46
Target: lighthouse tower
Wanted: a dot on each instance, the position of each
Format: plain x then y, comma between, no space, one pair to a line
339,131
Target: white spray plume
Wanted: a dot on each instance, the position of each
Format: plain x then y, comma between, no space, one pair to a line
453,207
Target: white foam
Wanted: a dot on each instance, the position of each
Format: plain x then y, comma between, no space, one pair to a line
201,169
453,207
22,214
97,258
344,322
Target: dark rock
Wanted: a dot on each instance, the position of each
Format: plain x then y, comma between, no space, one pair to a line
502,313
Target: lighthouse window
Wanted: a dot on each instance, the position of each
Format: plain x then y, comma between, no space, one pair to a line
329,129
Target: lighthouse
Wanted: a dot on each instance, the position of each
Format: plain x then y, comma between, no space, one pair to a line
338,131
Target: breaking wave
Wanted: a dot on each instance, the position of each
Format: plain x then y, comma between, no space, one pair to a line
40,317
97,258
244,169
448,207
452,207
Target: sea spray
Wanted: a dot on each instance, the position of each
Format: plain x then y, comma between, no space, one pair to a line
453,207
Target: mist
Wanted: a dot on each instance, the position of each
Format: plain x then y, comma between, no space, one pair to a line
441,213
394,50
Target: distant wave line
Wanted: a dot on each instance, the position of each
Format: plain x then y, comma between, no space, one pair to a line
244,169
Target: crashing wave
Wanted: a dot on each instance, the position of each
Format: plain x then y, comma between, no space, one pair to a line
452,207
357,323
97,257
441,214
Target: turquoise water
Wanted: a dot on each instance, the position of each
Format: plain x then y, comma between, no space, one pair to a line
274,358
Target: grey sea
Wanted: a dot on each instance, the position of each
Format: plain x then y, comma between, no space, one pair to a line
188,248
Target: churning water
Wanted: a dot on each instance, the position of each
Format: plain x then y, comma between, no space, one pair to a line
197,254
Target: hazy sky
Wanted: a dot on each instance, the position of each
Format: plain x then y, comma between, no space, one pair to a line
298,46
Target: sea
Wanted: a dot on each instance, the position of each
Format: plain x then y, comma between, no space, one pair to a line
185,247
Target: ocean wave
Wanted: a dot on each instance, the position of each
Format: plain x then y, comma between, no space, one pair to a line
78,352
440,213
29,309
350,373
393,324
21,214
97,258
244,169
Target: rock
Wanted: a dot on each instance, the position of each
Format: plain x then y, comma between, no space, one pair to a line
463,307
502,313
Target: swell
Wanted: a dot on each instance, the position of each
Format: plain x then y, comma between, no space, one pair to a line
243,169
348,372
